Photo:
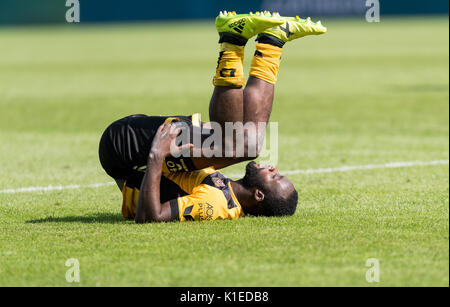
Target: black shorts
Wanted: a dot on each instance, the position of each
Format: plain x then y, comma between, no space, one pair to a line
126,143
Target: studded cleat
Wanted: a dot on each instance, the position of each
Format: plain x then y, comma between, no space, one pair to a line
246,25
293,28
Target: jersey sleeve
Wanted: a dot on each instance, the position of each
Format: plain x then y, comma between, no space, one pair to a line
205,204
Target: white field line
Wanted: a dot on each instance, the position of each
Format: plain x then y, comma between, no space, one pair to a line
291,172
55,188
366,167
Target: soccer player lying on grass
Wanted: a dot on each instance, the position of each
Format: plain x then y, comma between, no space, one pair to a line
158,186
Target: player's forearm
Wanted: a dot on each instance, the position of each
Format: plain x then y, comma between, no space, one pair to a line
149,204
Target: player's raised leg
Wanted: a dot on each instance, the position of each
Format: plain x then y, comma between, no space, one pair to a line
258,94
229,103
234,30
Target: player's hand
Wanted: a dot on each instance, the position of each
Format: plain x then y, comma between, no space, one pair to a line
164,142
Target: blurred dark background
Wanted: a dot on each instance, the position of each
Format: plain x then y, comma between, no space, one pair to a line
13,12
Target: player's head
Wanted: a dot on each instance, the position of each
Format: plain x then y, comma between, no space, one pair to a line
275,194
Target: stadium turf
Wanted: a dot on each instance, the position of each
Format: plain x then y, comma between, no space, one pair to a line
361,94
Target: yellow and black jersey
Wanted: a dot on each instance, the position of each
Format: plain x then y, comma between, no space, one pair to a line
202,195
193,194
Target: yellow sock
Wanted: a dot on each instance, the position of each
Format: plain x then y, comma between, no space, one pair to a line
266,62
229,71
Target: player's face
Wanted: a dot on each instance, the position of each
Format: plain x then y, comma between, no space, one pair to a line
269,177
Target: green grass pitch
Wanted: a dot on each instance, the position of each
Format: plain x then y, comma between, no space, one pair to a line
361,94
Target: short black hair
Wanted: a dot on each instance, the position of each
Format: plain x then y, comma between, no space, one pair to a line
276,205
272,204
